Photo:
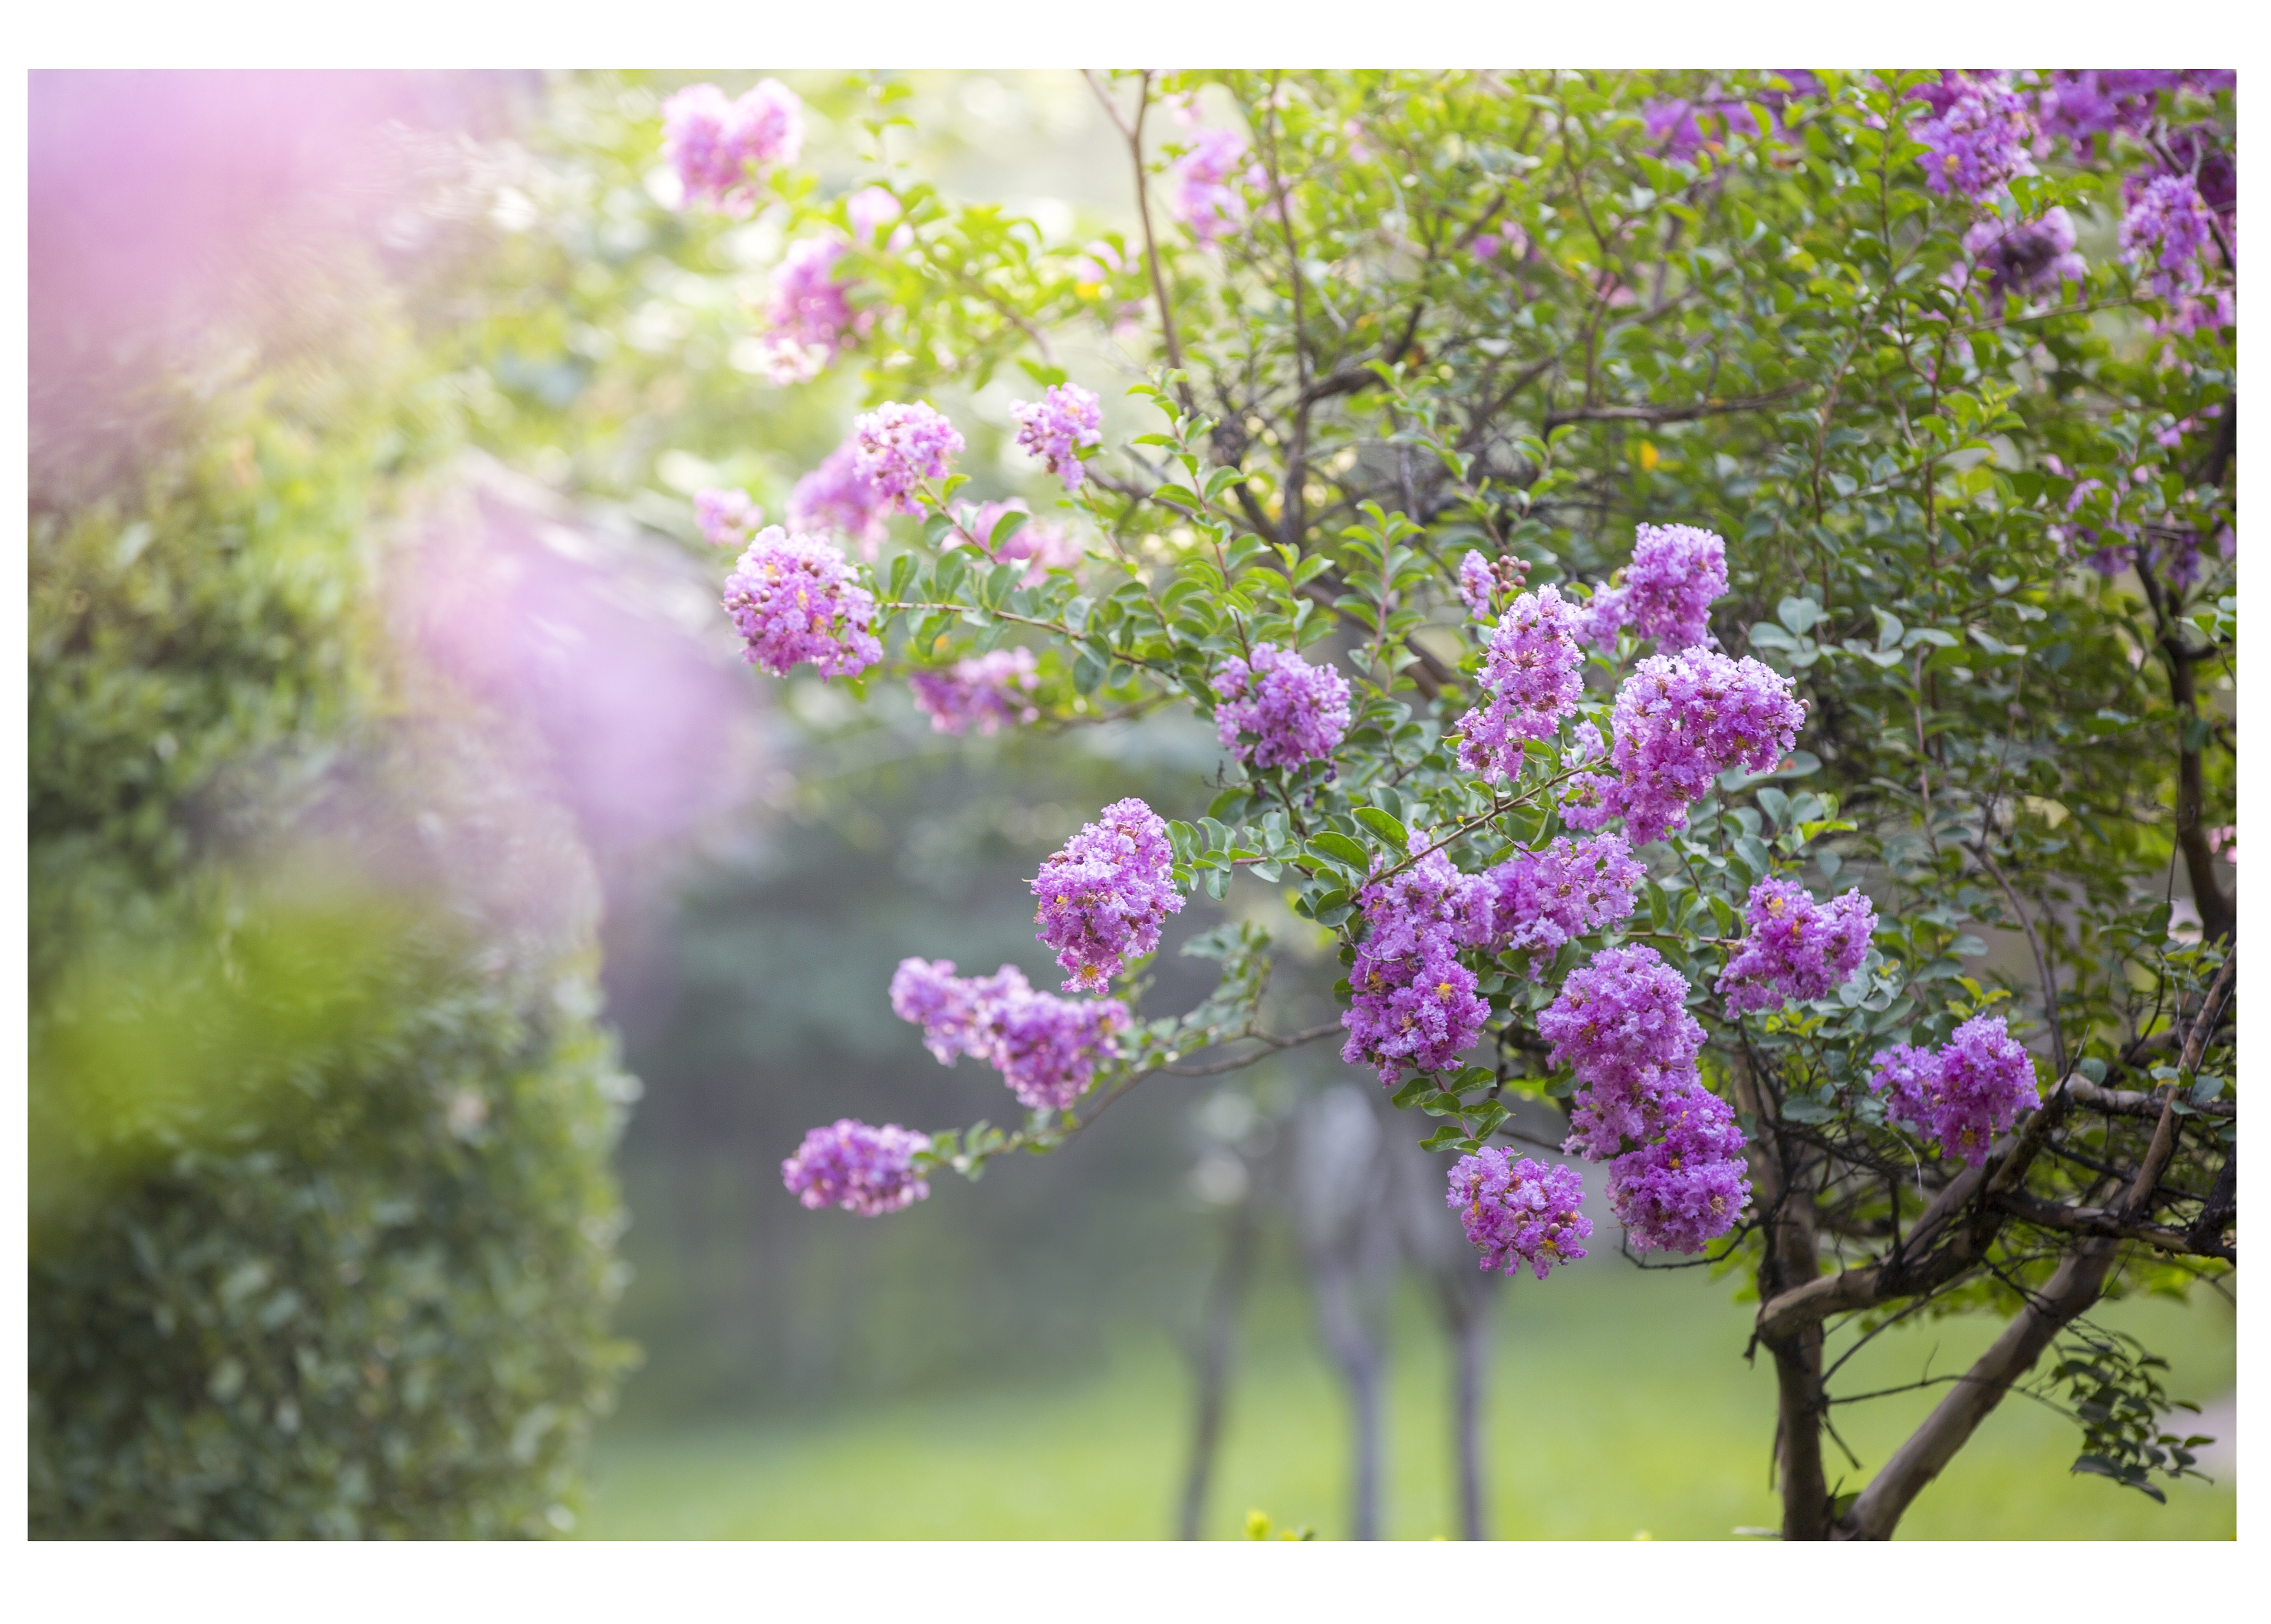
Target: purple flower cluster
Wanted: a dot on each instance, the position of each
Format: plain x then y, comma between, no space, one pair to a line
1411,1002
1677,572
988,691
1519,1211
721,147
1483,583
1621,1023
1964,1093
859,1168
869,210
1532,676
1045,1047
1681,720
1054,428
2164,232
1478,585
1277,710
1797,949
1978,130
808,319
900,446
1542,899
727,518
837,496
795,599
2079,103
1678,130
1680,1192
2032,257
1102,897
1200,194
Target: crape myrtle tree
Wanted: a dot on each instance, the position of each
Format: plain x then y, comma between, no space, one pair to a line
1681,567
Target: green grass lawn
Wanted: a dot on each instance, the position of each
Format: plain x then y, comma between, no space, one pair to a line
1621,1406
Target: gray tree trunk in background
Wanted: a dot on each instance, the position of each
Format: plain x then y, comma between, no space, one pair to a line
1465,1296
1213,1356
1343,1191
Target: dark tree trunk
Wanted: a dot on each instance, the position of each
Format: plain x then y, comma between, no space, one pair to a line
1212,1358
1466,1316
1357,1353
1792,1257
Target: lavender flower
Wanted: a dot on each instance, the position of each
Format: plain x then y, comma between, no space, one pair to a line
808,319
1677,572
1621,1023
2027,259
1053,428
1418,1009
1103,896
1978,130
869,210
2077,104
1682,719
1911,1073
1542,898
721,148
1047,1048
859,1168
988,691
1682,1190
942,1003
1531,677
1411,1002
727,518
1679,129
2164,232
1796,949
795,599
1478,585
1279,710
1967,1093
837,496
901,446
1671,129
1199,191
1519,1211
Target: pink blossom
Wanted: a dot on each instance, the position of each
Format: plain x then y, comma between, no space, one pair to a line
722,148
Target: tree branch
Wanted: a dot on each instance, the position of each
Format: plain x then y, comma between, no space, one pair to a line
2106,1222
1671,414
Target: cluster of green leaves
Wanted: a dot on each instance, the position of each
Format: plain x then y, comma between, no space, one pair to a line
2111,1384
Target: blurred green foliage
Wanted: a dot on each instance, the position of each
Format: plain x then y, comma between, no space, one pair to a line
323,1223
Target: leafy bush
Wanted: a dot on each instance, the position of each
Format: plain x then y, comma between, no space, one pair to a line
323,1224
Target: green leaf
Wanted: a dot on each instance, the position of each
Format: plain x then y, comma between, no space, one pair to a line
1335,847
1384,826
1007,525
1799,614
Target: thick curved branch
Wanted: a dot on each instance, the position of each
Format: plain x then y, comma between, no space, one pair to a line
2072,1289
